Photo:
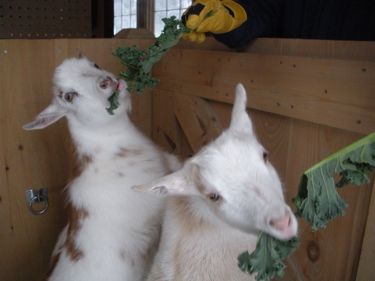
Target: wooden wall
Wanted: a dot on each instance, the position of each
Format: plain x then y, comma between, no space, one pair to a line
307,99
39,158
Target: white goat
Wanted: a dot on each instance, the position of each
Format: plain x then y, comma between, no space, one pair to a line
228,192
111,228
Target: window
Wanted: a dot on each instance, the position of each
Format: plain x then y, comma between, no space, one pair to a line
166,9
125,13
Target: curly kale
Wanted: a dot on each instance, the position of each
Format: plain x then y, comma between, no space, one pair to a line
318,200
267,259
139,63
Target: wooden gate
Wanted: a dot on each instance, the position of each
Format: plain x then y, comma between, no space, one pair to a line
306,103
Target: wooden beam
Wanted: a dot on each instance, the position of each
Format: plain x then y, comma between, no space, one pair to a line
198,121
330,92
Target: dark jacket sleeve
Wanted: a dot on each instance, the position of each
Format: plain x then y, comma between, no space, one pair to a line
307,19
263,19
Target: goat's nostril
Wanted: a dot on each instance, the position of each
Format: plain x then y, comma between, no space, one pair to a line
281,223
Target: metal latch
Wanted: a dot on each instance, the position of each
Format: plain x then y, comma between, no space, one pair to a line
37,200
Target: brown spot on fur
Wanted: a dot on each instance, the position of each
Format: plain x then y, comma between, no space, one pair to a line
125,152
52,264
81,163
75,223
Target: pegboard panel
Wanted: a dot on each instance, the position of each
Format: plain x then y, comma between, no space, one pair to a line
45,19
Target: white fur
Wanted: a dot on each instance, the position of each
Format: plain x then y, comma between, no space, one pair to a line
202,238
121,225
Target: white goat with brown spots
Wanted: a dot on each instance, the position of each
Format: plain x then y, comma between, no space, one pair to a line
225,195
111,228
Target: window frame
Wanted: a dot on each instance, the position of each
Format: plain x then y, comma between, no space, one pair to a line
146,14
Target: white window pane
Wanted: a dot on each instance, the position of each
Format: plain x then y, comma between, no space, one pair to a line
126,7
133,6
117,24
173,4
160,5
159,24
117,8
175,13
133,21
125,22
185,3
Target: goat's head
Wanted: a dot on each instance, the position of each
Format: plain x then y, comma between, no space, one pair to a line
80,92
234,176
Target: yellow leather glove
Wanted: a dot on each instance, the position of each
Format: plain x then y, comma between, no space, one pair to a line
215,16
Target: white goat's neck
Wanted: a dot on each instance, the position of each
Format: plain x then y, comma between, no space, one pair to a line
104,141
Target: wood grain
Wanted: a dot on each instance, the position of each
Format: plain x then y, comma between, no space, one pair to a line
297,87
198,121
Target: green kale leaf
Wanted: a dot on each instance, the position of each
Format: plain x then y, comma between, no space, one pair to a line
318,200
267,259
139,63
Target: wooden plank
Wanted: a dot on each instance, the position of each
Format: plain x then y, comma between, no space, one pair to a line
302,88
198,121
367,259
333,49
346,50
166,131
38,159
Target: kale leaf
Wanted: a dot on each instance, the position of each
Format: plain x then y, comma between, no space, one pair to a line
139,63
318,200
267,259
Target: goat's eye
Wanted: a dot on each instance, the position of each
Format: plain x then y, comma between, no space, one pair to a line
106,83
265,156
96,66
69,96
214,196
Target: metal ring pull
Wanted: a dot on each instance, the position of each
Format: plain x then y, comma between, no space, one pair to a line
34,197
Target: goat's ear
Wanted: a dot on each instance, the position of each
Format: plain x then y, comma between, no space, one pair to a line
47,117
240,120
177,183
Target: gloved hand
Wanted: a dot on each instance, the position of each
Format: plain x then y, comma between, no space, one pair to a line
214,16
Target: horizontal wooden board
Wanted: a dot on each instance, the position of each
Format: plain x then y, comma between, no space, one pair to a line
331,92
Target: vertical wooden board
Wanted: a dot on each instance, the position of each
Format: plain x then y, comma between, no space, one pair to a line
338,246
166,131
273,132
32,159
367,258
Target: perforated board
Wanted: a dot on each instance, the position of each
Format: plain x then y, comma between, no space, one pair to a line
45,19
